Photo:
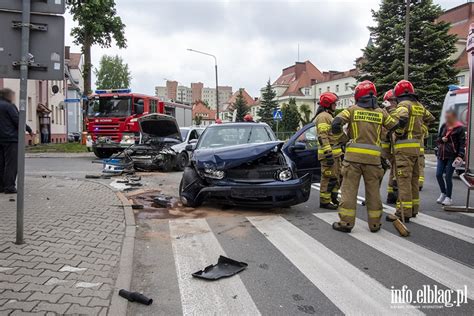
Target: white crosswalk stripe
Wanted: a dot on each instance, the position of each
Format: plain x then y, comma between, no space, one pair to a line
456,230
353,292
437,267
195,247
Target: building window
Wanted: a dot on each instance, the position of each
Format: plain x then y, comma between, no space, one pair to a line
328,89
337,88
346,86
306,91
461,80
320,91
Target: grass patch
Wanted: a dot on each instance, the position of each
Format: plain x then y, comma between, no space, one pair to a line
57,148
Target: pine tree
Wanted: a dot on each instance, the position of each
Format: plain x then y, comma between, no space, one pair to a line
269,104
290,117
240,106
430,68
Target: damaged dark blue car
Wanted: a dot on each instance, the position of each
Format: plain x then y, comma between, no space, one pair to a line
244,164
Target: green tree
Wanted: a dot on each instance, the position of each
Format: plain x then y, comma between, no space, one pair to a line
268,105
240,106
290,117
197,120
430,67
98,23
305,114
113,73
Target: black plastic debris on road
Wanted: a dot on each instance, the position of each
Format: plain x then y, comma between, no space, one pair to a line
135,297
137,207
224,268
162,201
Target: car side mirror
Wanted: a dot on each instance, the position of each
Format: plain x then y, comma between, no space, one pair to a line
190,147
298,147
192,141
139,108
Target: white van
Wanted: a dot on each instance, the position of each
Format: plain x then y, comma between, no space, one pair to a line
456,99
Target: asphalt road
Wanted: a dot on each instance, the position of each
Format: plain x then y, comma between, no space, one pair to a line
297,263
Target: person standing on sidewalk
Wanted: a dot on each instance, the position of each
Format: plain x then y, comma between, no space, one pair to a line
451,147
8,141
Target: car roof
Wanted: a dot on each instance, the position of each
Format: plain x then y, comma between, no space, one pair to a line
233,124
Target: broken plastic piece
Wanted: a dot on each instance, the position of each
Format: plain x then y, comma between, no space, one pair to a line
162,200
137,206
135,297
224,268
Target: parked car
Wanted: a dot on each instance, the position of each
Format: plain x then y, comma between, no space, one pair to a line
245,164
158,134
189,135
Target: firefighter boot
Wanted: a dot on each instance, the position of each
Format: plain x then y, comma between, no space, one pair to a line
341,227
328,206
334,198
394,217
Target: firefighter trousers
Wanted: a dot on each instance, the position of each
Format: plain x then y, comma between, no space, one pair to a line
392,181
330,180
351,173
421,167
408,173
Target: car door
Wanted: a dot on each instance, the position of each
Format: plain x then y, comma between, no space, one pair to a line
302,148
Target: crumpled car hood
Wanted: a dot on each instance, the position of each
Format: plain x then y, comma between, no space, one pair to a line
159,126
232,156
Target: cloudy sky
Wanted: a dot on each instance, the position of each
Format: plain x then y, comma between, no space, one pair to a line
253,40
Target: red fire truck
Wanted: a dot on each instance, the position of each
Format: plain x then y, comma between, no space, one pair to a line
111,120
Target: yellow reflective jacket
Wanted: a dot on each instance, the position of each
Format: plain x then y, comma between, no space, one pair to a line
365,131
329,144
409,139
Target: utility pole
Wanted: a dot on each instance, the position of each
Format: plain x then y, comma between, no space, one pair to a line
25,48
407,40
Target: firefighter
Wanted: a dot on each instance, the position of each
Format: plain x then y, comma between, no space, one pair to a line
421,161
363,156
248,118
329,152
407,149
390,103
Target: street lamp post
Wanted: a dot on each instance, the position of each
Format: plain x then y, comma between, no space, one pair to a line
407,39
217,83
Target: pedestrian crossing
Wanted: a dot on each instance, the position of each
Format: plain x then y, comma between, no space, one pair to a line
459,231
305,245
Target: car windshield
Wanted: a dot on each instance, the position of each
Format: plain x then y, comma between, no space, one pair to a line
109,107
184,132
222,136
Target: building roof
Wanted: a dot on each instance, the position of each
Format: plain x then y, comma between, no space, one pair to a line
200,108
460,18
250,101
74,60
462,62
297,76
335,75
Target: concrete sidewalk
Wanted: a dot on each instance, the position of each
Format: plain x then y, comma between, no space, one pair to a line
73,240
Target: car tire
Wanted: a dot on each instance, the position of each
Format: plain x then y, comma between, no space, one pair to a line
181,161
103,153
168,165
193,183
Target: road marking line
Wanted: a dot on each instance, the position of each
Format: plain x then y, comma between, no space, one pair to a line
350,289
435,266
453,229
194,248
468,214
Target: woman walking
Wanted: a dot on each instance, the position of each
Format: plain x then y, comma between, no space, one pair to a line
451,148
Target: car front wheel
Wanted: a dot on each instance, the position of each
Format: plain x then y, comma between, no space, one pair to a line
189,188
181,161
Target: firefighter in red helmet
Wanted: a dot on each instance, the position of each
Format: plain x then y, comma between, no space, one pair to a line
329,152
248,118
407,146
362,158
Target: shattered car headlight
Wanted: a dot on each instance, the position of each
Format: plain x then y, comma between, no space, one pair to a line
214,174
128,139
284,175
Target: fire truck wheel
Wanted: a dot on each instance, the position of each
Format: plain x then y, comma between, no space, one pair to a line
103,153
181,161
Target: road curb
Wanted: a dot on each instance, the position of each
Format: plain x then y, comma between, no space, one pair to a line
119,305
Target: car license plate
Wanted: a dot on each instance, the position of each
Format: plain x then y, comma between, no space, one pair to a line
249,193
